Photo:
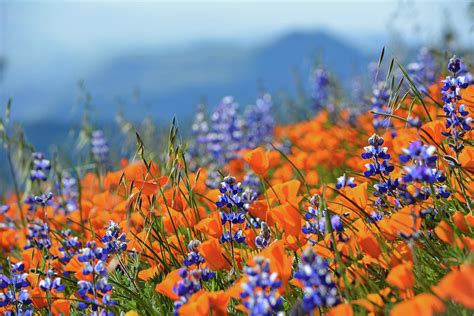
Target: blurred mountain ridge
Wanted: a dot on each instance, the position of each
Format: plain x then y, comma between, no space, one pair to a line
163,84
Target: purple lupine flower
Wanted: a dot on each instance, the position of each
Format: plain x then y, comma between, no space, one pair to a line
337,224
192,276
319,289
320,89
115,242
259,123
30,201
193,256
8,221
423,170
388,186
43,199
263,239
51,282
312,216
423,71
381,167
316,219
94,259
213,179
376,152
37,235
225,136
260,292
232,208
40,167
424,160
69,192
252,181
414,122
70,246
376,216
343,182
197,153
378,102
15,292
458,122
99,147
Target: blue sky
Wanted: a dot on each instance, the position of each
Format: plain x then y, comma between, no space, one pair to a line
33,31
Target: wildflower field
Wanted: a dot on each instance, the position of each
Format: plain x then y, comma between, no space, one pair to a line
363,208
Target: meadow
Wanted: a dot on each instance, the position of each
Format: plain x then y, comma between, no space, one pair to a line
364,208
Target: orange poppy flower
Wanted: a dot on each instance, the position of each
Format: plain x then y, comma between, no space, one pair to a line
402,276
198,305
445,232
460,221
285,192
148,274
258,160
373,303
219,301
369,244
341,310
61,306
423,304
211,226
288,218
165,287
212,252
432,131
466,158
279,261
458,286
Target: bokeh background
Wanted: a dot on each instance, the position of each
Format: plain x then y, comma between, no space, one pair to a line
157,60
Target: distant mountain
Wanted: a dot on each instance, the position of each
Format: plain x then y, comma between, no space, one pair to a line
172,83
159,84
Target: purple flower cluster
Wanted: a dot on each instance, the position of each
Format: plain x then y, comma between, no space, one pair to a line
424,160
320,85
343,182
191,276
252,181
41,166
379,155
260,292
378,102
263,239
197,153
69,192
94,259
70,246
423,169
7,221
316,219
99,147
16,295
51,282
43,199
37,235
423,71
225,135
381,167
259,123
319,289
458,122
232,209
115,242
219,140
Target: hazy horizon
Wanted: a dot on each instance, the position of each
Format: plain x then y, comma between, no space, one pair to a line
53,43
